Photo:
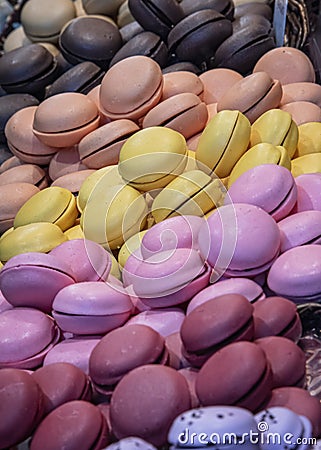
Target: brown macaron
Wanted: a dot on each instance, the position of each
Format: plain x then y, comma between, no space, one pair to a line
122,350
238,374
214,324
146,401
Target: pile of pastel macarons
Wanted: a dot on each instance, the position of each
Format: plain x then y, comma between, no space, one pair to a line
159,226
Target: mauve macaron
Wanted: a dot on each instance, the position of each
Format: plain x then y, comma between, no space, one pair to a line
287,360
75,424
165,321
87,260
296,274
22,406
302,91
269,186
214,324
299,229
231,240
91,308
243,286
301,402
120,351
148,388
75,351
238,374
33,279
73,181
277,316
303,112
61,383
26,336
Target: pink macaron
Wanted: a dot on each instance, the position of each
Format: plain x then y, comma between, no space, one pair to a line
175,232
296,274
167,278
91,308
299,229
33,279
88,260
308,186
240,240
26,336
243,286
165,321
75,351
269,186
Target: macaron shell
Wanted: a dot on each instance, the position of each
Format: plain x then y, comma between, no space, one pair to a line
73,181
87,260
65,161
24,276
90,298
183,112
250,252
24,333
288,65
295,273
141,94
25,173
252,95
101,147
241,361
72,425
35,237
303,112
18,423
165,321
121,350
277,316
302,91
216,320
62,382
243,286
161,386
299,229
287,361
175,232
181,81
269,186
216,82
73,351
22,141
12,197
